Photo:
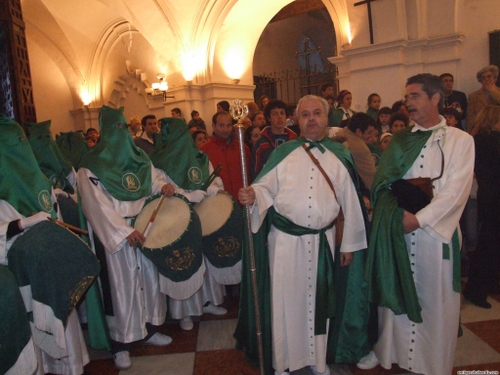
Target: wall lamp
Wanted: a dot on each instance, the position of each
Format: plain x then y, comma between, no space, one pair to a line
159,88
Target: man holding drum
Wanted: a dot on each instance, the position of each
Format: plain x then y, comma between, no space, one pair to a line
192,174
302,200
50,265
114,180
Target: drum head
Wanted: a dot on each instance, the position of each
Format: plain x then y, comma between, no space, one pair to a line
171,221
214,212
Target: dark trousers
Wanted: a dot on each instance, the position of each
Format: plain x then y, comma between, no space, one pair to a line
485,261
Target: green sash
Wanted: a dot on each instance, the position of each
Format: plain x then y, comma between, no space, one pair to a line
325,304
123,168
176,154
96,320
388,272
348,332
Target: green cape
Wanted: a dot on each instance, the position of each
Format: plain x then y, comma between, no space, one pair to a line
388,272
348,330
176,154
73,146
22,183
123,168
50,160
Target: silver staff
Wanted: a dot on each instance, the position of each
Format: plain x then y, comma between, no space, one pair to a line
238,112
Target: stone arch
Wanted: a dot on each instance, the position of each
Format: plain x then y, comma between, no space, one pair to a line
225,37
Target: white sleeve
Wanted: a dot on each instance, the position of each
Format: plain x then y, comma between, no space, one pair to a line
111,228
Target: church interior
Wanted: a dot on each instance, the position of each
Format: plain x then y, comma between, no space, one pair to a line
83,54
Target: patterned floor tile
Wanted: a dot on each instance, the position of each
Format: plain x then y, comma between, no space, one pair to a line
488,331
216,335
172,364
223,362
471,349
208,348
473,313
379,370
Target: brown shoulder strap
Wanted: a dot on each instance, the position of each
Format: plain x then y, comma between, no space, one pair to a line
316,162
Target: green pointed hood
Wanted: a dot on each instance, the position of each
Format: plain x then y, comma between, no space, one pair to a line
176,154
73,146
123,168
22,183
50,160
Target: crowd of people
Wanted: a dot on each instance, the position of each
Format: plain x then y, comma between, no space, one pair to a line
356,221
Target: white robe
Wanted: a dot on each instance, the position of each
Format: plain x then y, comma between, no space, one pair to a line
297,190
71,359
134,281
429,347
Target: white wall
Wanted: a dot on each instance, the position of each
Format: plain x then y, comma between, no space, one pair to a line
50,91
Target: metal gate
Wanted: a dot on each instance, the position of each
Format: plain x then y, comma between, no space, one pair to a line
291,84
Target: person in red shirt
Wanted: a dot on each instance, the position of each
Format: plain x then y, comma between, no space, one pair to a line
223,147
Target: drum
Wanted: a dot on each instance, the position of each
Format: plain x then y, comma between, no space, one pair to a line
53,268
222,229
173,244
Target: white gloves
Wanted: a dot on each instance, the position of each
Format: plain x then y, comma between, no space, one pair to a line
196,196
28,222
213,190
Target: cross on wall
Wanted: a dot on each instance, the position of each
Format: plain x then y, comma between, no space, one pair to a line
370,25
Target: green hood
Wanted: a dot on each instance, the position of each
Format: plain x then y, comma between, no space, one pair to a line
176,154
22,183
123,168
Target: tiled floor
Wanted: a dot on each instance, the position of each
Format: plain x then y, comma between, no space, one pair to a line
208,348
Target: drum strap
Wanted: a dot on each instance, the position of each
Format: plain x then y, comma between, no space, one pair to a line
339,220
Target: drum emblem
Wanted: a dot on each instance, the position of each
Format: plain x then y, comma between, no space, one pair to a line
195,175
180,259
76,294
45,200
226,247
130,182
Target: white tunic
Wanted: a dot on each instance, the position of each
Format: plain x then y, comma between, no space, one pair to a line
297,190
429,347
71,359
134,281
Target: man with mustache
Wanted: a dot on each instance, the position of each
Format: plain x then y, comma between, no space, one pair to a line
413,265
299,201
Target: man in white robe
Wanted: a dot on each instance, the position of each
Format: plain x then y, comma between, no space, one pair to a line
420,333
296,189
138,304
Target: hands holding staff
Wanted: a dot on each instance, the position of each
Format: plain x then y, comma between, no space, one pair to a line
246,195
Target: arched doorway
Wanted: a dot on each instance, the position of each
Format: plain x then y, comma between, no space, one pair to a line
290,59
